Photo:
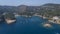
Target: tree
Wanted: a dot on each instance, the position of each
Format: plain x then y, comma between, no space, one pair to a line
9,16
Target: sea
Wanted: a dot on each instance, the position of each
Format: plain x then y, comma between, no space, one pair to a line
28,25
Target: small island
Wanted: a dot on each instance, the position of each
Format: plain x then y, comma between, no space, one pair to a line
9,18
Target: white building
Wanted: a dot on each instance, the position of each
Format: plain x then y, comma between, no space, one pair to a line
55,17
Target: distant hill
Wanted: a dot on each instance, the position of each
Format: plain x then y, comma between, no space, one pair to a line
49,8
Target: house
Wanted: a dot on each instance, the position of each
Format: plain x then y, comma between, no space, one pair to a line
55,19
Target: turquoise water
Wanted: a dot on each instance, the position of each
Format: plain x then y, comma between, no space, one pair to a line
28,26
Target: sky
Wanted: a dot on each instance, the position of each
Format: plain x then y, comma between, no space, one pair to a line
27,2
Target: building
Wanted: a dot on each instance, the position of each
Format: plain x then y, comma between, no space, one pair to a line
55,19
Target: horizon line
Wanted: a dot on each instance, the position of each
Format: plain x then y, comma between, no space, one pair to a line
29,5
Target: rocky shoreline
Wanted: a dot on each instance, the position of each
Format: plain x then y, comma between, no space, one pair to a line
10,21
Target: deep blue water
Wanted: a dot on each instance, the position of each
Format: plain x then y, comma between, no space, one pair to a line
28,26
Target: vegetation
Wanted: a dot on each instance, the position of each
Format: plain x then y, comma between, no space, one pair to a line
46,9
9,16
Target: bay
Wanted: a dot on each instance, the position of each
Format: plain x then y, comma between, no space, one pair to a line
25,25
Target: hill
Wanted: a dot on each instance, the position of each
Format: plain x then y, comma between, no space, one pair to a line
48,9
